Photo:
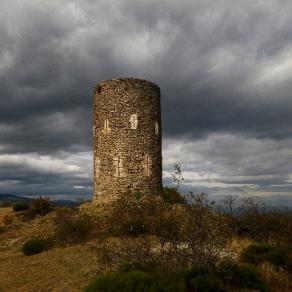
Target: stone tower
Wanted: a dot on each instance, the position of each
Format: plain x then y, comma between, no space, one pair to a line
127,138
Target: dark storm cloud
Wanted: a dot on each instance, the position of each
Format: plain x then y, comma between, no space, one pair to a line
204,56
224,68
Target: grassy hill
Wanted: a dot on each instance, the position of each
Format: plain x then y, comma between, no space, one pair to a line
146,241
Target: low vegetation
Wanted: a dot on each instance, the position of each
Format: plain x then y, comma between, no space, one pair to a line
241,275
225,277
5,204
188,243
71,226
2,229
35,246
38,207
260,253
171,195
169,242
18,207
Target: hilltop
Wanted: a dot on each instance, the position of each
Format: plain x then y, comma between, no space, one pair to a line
140,236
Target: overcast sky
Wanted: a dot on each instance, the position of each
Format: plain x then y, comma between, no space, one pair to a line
225,72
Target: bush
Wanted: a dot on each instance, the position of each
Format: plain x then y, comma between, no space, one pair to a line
134,214
35,246
73,227
168,227
257,254
204,233
139,276
20,207
136,280
201,278
241,276
131,281
206,283
171,195
262,226
202,229
41,206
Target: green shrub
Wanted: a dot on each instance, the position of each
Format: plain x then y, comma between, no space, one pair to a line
20,207
194,272
73,227
257,254
206,283
139,276
35,246
138,281
200,278
171,195
131,281
241,276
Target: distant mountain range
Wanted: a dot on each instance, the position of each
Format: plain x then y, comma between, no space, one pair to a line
15,199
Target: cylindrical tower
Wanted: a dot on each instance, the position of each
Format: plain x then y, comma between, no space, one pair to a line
127,138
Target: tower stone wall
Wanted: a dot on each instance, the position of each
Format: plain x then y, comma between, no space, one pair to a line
127,138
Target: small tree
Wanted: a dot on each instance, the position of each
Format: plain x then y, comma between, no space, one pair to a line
177,176
229,202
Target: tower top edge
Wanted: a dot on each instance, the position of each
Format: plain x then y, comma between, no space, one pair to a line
127,80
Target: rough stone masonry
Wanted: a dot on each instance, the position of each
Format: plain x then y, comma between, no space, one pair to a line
127,138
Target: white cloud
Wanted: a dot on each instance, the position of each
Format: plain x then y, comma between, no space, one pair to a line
225,161
42,163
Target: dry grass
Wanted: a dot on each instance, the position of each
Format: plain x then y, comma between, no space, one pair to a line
68,269
238,244
279,281
59,269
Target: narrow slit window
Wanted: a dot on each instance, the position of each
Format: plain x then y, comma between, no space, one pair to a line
156,128
134,121
147,165
119,167
106,127
97,167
